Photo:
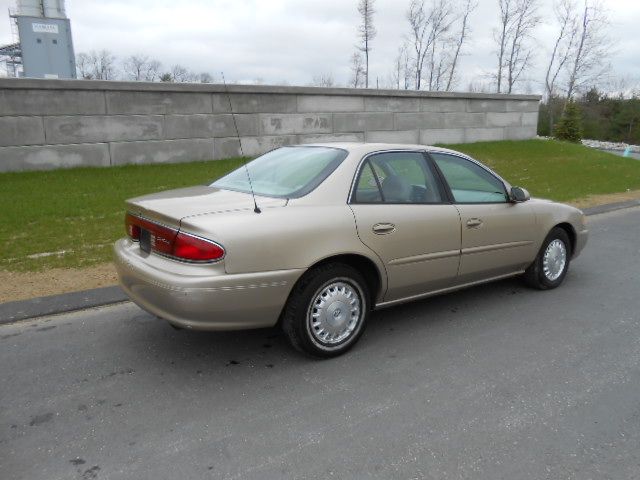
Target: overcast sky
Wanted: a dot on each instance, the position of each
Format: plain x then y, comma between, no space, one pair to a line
292,40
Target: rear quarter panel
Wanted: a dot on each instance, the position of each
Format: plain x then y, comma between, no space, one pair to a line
291,237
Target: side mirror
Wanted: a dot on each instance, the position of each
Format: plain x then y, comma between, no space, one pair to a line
519,194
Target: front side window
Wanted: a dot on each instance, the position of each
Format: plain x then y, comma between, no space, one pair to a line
397,177
469,182
287,172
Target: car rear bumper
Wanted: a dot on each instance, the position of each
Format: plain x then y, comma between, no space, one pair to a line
202,297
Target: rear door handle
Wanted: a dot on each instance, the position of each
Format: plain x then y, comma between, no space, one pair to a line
474,223
383,228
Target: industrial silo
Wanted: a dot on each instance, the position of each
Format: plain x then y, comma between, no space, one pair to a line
45,39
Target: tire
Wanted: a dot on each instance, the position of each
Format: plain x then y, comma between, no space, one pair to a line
340,318
550,274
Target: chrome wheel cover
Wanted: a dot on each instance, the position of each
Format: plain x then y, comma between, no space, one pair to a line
335,313
554,260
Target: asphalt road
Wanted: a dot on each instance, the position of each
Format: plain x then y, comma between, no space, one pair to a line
495,382
621,153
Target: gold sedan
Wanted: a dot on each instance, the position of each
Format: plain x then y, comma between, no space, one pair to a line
314,237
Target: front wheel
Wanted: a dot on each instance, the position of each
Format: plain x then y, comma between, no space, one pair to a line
552,263
327,310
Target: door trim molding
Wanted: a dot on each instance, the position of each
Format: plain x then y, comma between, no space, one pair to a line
425,257
496,246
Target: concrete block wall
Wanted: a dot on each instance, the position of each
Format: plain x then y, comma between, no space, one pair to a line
46,124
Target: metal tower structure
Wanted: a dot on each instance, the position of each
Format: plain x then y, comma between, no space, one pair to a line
42,45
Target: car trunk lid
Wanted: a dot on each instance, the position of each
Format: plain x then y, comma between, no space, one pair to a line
170,207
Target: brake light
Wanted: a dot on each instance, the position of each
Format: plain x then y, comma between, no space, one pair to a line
160,238
133,230
196,249
170,242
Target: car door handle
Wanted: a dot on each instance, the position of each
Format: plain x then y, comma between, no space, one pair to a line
474,223
383,228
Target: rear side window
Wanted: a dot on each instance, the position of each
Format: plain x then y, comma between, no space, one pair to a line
367,189
469,183
397,177
287,172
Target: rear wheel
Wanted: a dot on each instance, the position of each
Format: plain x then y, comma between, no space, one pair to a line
552,263
327,310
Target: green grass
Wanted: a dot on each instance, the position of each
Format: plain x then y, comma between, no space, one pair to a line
557,170
80,211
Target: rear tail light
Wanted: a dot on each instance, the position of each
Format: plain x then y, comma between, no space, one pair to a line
170,242
196,249
133,230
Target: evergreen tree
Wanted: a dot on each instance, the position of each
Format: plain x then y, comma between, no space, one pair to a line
569,127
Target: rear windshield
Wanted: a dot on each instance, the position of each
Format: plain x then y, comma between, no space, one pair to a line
288,172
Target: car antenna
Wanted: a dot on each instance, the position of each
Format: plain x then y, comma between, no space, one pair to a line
235,125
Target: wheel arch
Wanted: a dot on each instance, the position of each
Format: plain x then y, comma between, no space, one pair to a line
567,227
367,268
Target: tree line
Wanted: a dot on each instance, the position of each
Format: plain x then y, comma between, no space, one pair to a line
439,31
104,65
437,38
613,118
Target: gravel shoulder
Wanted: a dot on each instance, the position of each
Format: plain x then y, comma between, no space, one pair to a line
24,285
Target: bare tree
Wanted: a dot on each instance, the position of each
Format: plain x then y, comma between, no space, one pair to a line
442,20
623,86
141,68
518,19
521,53
479,86
357,70
565,13
136,66
323,80
587,57
153,71
180,74
396,74
366,32
568,22
467,8
428,35
418,22
205,77
441,60
502,37
407,67
102,65
578,56
84,66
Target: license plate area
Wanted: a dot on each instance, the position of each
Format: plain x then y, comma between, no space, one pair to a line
145,240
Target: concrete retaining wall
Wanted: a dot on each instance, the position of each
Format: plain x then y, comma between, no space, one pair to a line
47,124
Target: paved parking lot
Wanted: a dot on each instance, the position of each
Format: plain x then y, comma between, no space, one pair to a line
495,382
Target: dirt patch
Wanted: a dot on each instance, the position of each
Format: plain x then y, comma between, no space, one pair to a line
595,200
23,285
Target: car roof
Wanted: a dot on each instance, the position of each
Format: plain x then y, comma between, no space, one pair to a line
357,150
364,148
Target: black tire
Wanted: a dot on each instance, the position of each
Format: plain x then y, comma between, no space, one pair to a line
535,275
297,322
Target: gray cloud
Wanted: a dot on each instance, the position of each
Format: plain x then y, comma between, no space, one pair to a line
289,40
